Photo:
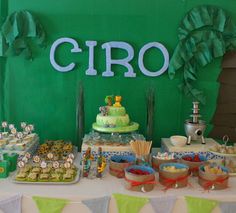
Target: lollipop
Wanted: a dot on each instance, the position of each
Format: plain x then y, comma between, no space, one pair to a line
71,156
56,164
67,165
27,129
50,156
28,155
25,159
21,164
31,127
70,160
13,131
23,125
36,159
43,164
4,125
11,126
19,135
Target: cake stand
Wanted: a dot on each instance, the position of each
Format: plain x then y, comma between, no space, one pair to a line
133,126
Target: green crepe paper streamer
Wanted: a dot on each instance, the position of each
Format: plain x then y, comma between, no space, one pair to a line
3,15
18,28
130,204
52,205
208,16
196,205
1,45
205,33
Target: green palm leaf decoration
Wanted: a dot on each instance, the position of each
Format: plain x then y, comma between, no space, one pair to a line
205,33
17,31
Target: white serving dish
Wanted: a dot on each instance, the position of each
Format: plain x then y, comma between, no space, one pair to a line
178,140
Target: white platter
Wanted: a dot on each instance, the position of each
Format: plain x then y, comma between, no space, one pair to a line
223,154
232,174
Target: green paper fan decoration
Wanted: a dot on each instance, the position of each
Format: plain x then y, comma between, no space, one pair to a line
17,33
205,33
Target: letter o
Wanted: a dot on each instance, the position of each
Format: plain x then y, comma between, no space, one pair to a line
165,54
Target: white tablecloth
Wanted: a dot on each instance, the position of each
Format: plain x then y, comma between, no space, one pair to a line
108,185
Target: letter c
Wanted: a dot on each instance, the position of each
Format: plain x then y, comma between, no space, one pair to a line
58,42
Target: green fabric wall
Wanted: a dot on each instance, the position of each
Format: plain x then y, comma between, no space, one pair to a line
34,92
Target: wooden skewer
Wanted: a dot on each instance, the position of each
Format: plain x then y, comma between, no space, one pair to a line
146,145
146,148
141,147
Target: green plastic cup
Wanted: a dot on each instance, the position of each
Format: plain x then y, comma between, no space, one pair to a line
4,169
12,159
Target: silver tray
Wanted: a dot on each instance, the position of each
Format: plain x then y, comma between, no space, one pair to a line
77,179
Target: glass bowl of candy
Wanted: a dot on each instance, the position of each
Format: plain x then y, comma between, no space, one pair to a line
161,158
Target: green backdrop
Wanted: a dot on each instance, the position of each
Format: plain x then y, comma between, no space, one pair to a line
33,91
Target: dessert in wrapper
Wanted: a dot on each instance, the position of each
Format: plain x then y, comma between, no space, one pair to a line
213,177
86,162
173,175
120,162
139,178
194,161
101,163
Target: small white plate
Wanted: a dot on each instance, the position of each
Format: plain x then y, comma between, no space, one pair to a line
223,154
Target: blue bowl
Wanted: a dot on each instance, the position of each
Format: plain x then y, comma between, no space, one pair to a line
176,165
118,158
213,165
143,168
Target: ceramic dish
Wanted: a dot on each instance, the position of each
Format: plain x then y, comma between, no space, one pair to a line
178,140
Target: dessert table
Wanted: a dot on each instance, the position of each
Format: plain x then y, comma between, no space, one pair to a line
94,188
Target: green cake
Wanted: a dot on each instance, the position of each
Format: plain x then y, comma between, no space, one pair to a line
114,118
